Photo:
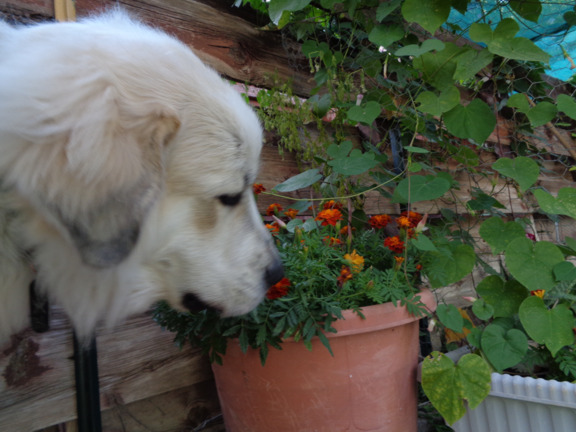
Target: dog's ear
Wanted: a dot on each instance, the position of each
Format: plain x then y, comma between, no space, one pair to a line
108,229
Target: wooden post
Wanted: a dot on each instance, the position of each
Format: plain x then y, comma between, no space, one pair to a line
64,10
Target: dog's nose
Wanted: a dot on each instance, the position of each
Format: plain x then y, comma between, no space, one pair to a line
274,273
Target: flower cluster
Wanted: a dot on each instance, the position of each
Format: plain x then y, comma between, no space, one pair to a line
358,263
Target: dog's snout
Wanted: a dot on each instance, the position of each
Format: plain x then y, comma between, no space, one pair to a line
274,273
194,304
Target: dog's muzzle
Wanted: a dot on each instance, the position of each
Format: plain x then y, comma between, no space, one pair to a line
194,304
274,273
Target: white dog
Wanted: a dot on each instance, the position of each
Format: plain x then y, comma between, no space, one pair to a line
126,170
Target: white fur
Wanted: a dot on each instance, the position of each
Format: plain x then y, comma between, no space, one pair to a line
108,126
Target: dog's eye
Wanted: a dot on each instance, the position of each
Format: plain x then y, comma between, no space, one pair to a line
230,200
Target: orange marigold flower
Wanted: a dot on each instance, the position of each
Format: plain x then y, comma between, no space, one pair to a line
273,227
379,221
356,261
345,275
273,209
394,244
332,241
291,213
279,289
418,267
414,217
538,293
399,261
344,230
403,222
258,188
329,216
332,205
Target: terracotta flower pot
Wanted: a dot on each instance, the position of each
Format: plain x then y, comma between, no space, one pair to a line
369,384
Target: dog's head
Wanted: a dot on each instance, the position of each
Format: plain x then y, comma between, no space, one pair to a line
210,245
137,163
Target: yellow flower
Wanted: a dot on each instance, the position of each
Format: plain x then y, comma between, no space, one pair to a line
356,261
538,293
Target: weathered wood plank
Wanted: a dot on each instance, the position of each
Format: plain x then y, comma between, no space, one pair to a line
193,408
136,361
28,7
232,45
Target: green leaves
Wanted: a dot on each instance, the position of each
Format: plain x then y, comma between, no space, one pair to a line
279,7
299,181
450,316
532,263
551,327
350,162
567,105
430,14
365,113
450,387
421,188
563,204
474,121
498,234
538,115
503,348
504,296
417,50
521,169
453,63
448,264
438,105
529,10
502,42
386,35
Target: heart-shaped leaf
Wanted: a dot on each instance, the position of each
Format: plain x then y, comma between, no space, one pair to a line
449,264
527,9
299,181
565,271
474,121
350,162
541,114
551,327
386,35
356,163
521,169
567,104
564,204
417,50
438,68
504,297
450,316
503,348
438,105
502,42
482,310
520,102
420,188
470,62
430,14
384,9
498,234
532,263
365,113
450,387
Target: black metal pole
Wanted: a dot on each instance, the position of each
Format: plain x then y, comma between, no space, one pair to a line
87,386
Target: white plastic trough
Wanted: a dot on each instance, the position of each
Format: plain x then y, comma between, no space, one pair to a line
519,404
